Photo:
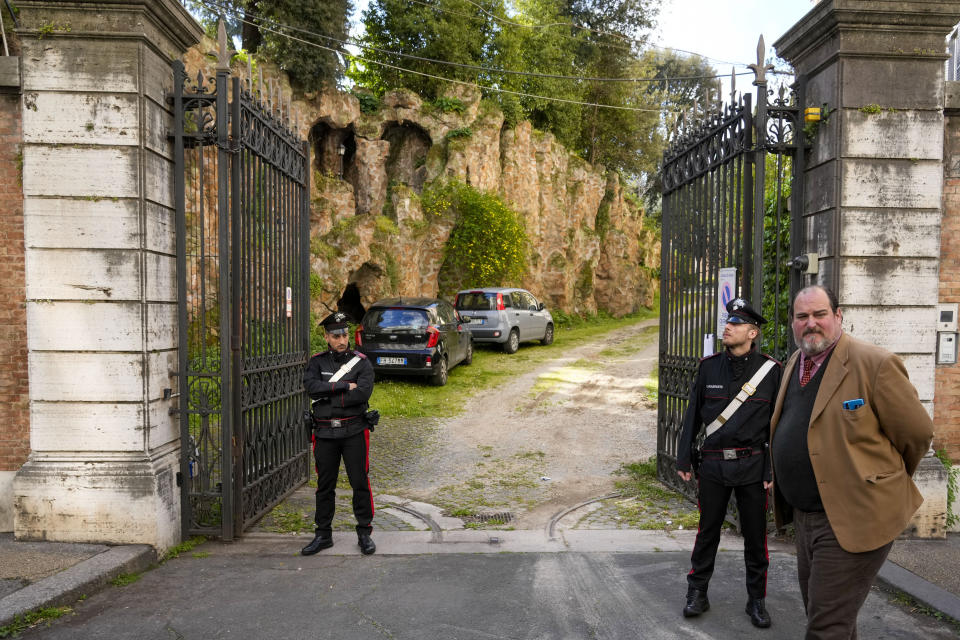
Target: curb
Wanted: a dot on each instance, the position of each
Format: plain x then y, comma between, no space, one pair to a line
919,589
84,578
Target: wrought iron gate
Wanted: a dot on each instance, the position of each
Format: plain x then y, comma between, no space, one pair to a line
243,280
726,187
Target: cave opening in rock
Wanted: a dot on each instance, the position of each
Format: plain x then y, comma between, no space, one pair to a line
409,145
350,303
334,151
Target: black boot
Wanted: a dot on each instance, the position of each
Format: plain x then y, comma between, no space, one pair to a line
697,603
320,541
366,544
758,613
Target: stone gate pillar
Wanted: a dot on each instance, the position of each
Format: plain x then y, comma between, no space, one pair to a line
872,189
873,182
100,262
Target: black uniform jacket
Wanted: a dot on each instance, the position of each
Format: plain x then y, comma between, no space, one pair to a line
719,379
335,400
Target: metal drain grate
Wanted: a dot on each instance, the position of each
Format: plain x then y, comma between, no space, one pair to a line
502,517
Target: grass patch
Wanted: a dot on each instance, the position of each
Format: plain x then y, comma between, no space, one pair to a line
414,398
497,483
183,547
288,518
652,385
200,554
648,504
32,619
907,602
124,579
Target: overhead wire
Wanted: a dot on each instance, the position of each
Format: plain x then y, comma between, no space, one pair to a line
212,4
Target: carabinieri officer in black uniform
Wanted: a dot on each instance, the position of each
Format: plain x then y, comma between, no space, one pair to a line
340,381
734,455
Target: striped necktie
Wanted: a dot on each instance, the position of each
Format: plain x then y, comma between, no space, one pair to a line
807,371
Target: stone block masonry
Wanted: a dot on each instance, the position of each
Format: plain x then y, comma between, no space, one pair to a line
99,265
873,195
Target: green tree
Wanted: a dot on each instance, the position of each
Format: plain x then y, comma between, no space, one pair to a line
464,31
273,29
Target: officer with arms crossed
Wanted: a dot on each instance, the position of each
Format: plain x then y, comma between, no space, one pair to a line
847,433
340,381
732,398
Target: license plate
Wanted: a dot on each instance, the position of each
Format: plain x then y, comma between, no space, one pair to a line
478,320
400,361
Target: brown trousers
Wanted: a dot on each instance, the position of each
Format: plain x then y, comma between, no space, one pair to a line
834,583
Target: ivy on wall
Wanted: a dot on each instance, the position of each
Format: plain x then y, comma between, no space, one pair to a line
487,245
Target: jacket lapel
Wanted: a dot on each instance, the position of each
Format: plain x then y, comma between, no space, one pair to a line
835,373
788,370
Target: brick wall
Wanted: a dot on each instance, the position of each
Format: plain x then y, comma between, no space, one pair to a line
946,412
14,391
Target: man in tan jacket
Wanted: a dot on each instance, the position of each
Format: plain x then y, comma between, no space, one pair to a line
847,433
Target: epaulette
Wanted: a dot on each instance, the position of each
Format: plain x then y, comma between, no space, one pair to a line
358,354
713,356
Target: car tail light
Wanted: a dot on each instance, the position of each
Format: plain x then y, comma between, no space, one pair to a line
429,361
500,306
433,337
358,336
456,301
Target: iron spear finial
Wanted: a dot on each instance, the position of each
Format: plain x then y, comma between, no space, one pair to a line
223,57
760,69
733,85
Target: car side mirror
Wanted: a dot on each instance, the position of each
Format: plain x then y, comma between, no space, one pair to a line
540,307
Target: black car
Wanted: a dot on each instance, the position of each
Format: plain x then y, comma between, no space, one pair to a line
414,336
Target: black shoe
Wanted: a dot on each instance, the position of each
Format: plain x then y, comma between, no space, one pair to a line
758,613
320,541
366,544
697,603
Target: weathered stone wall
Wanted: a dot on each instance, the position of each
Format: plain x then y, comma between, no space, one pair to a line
574,264
370,238
101,303
946,413
14,387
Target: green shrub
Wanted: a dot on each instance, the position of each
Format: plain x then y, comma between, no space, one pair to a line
447,105
369,103
488,244
462,132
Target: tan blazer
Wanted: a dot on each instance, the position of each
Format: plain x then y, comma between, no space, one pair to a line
863,460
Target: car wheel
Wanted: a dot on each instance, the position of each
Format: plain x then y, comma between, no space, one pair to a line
468,359
548,336
513,342
440,377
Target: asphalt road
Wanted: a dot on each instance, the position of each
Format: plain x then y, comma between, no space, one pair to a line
265,590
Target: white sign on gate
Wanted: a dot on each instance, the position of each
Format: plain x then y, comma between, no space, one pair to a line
726,291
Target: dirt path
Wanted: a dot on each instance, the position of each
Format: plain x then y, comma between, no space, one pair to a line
550,438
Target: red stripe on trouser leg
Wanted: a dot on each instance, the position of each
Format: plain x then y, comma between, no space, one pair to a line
366,462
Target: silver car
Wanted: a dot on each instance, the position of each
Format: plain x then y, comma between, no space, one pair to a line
506,316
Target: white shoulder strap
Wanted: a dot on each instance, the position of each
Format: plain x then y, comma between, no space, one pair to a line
748,389
342,371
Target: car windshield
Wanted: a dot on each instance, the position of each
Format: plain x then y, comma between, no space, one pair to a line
392,319
477,301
